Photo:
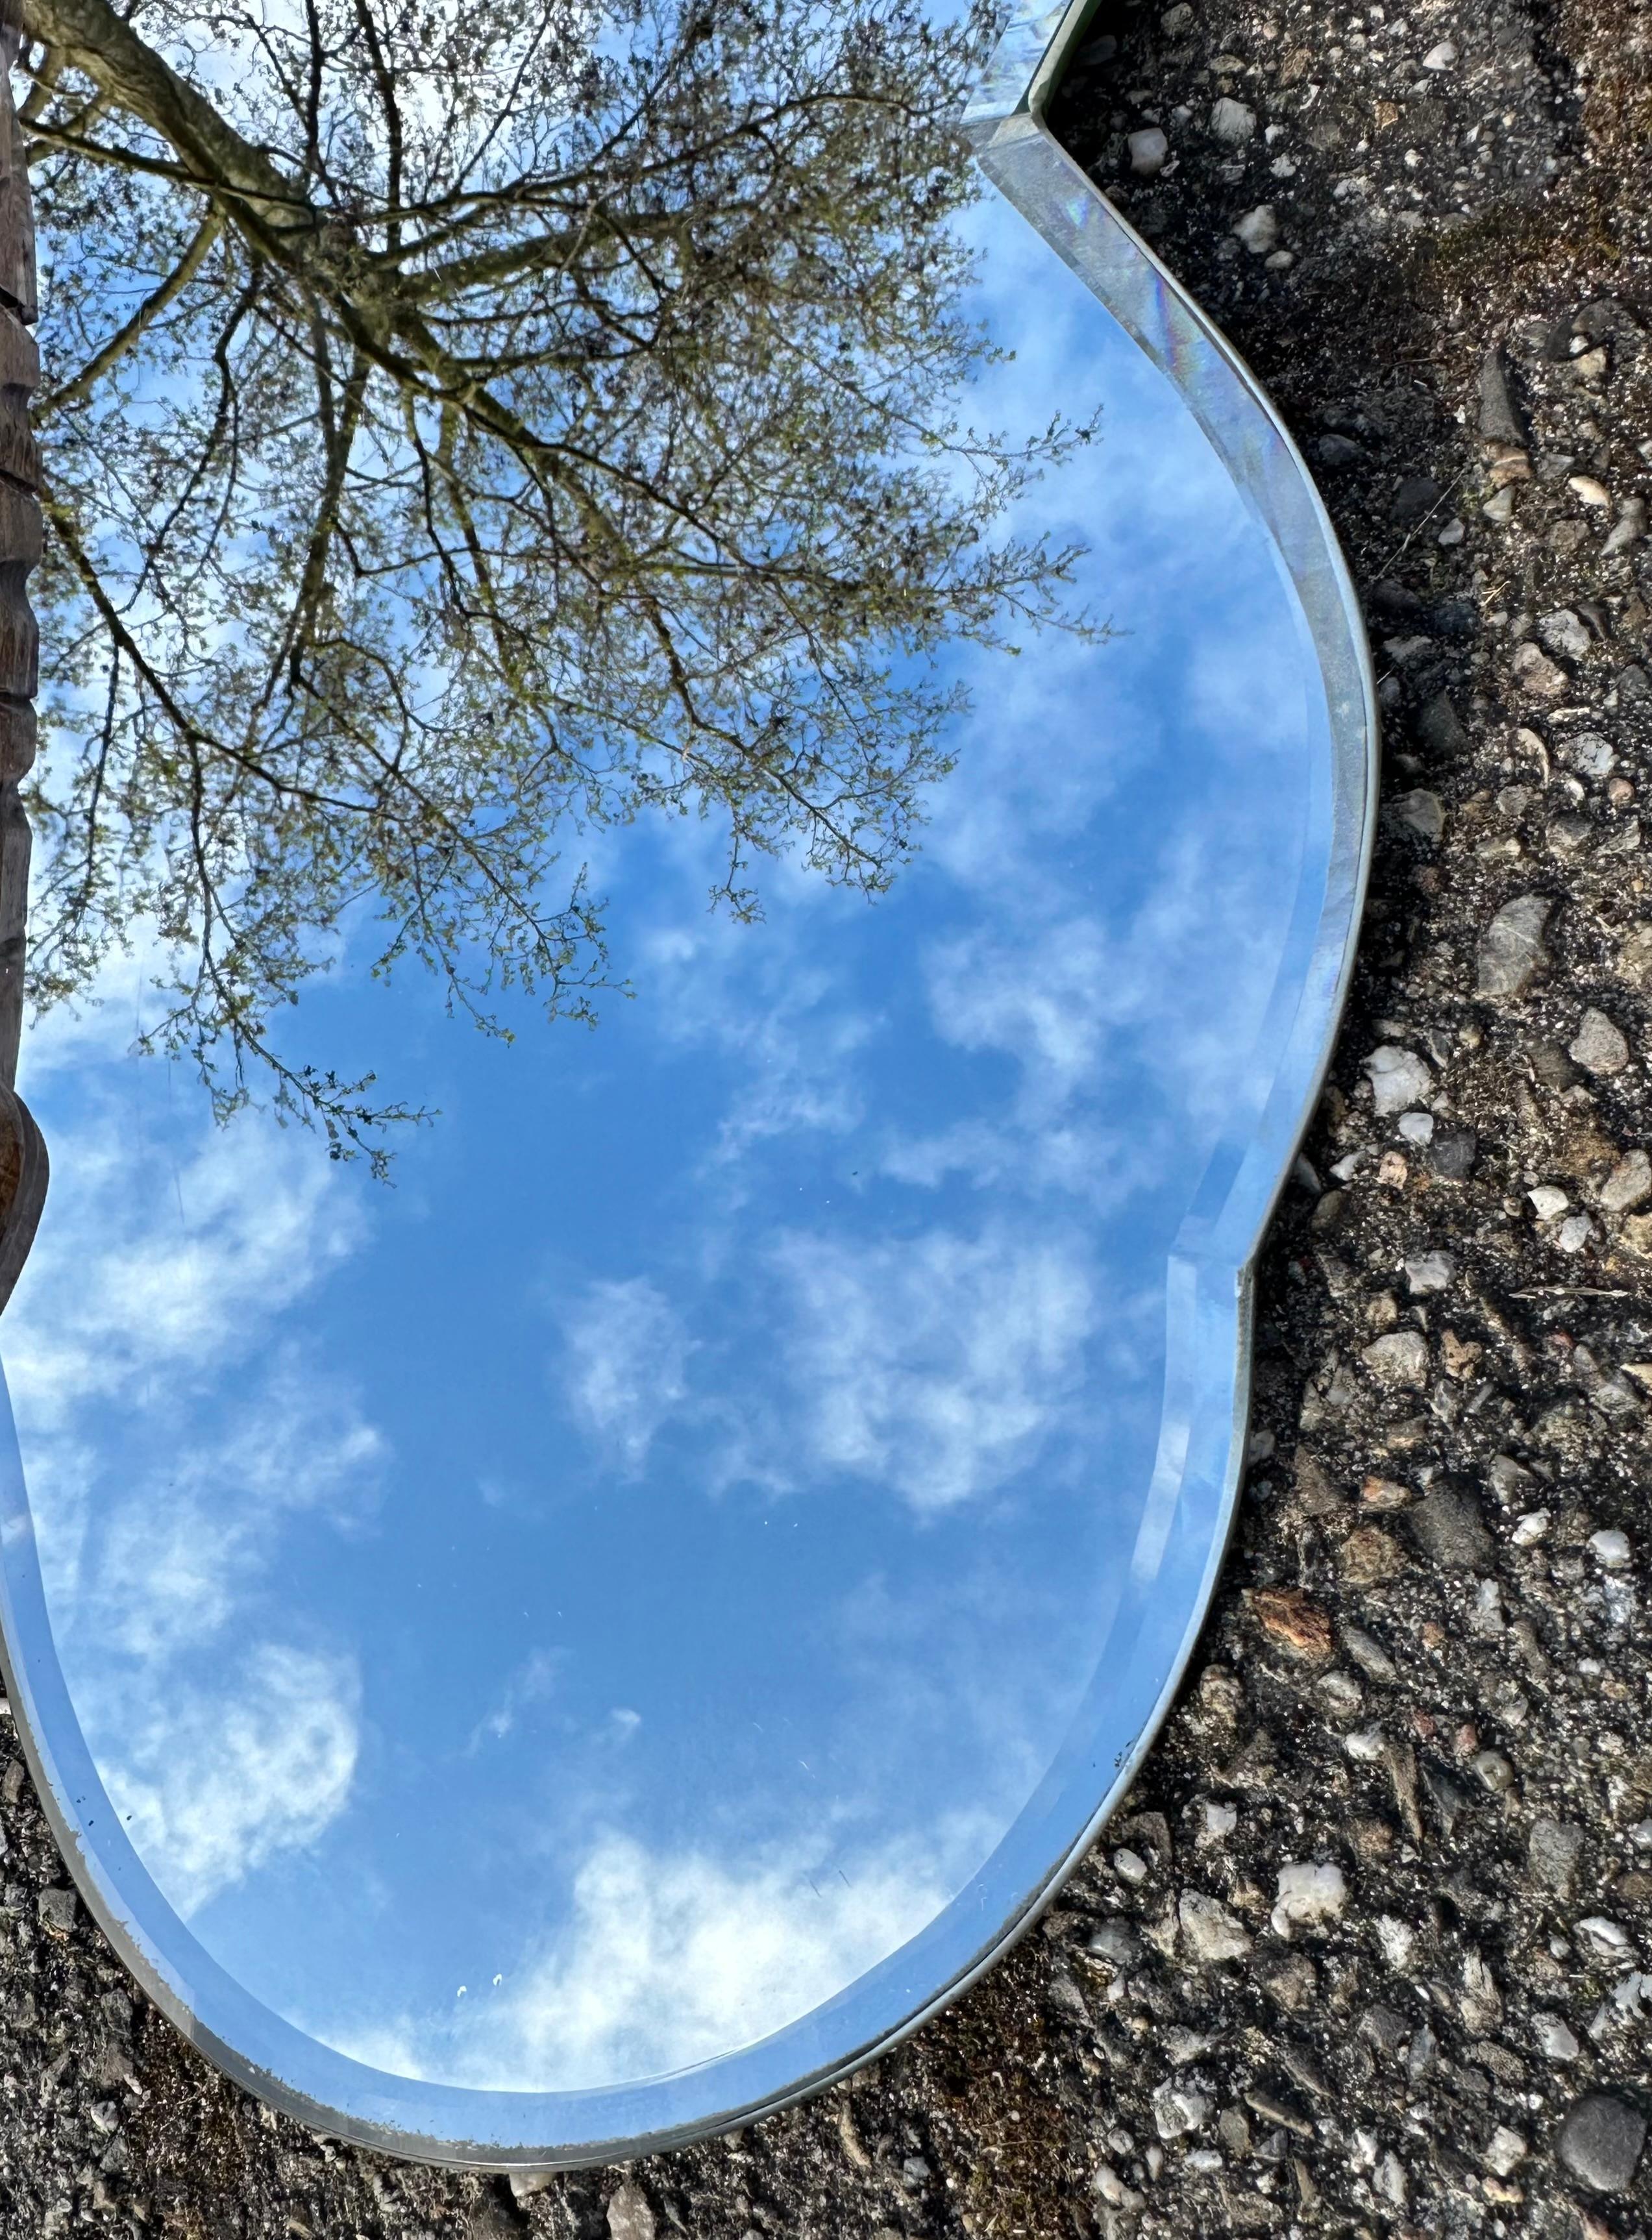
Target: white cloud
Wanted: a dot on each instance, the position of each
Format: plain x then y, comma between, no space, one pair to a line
623,1367
673,1957
211,1782
937,1365
174,1422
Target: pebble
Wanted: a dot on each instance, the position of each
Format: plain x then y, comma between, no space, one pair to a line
1399,1077
1150,151
1421,812
1562,632
1442,56
1588,491
1258,229
1610,1550
1552,1852
1601,2141
1399,1357
1549,1201
1433,1271
1629,1184
1232,123
1447,1527
1608,1940
1598,1047
1129,1866
1556,2041
54,1909
1536,674
1310,1894
1213,1934
1512,947
629,2217
1530,1528
1178,2109
1505,2150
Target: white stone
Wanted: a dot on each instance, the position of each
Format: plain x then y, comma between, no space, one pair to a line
1149,150
1530,1528
1232,123
1212,1932
1555,2039
1258,229
1610,1550
1505,2151
1311,1892
1441,57
1548,1202
1399,1078
1178,2109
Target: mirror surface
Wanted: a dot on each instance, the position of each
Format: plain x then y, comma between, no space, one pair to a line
579,1610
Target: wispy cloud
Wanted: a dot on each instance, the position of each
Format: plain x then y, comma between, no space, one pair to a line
625,1353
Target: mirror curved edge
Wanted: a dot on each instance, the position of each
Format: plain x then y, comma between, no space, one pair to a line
1180,1547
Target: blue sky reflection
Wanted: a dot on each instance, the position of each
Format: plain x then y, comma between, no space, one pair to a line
564,1617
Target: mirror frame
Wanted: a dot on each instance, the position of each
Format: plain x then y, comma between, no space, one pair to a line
1196,1482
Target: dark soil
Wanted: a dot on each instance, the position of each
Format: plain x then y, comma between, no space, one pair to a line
1402,1681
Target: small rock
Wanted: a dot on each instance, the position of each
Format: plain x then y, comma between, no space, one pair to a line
629,2217
1288,1617
1505,2150
1398,1078
1116,1941
1530,1528
1588,491
1446,1526
55,1908
1310,1894
1629,1184
1536,674
1232,123
1258,229
1610,1550
1178,2109
1433,1271
1512,947
1370,1655
1337,451
1129,1867
1608,1940
1493,1770
1213,1934
1555,2039
1601,2141
1176,20
1150,151
1562,632
1452,1150
1634,958
1442,56
1421,812
1370,1557
1552,1852
1599,1048
1499,422
525,2183
1629,529
1413,500
1439,729
1549,1201
1400,1357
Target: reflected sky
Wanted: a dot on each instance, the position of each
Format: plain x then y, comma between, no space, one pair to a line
563,1616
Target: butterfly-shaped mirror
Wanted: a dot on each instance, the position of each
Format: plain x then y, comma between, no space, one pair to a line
589,1642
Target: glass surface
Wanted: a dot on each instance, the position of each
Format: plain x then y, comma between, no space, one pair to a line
571,1614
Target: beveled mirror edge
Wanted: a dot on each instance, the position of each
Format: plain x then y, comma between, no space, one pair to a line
1208,1331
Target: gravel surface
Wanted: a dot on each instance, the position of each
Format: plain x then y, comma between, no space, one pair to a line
1364,1953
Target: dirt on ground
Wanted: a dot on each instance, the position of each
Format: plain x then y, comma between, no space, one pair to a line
1364,1952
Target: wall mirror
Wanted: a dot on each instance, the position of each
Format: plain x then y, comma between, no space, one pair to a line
586,1640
